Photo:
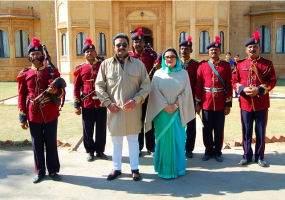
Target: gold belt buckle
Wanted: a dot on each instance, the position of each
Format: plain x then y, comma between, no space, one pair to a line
214,90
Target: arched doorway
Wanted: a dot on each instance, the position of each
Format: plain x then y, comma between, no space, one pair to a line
147,35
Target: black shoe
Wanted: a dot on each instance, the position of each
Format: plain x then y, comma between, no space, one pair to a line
206,157
219,158
244,161
101,155
90,157
55,177
37,178
189,154
136,178
140,153
151,152
113,175
261,163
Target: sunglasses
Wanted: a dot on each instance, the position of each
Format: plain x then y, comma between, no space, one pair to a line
170,57
122,44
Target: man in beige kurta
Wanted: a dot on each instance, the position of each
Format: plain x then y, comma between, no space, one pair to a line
122,85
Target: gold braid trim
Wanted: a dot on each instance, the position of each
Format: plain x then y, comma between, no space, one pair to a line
238,85
197,99
76,100
228,99
21,112
266,88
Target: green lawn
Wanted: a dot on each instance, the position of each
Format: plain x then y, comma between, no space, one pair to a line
280,86
69,125
8,89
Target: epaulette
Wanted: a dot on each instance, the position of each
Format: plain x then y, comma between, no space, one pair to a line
21,75
77,69
203,61
265,59
223,60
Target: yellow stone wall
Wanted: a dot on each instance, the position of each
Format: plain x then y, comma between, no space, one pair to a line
43,28
166,20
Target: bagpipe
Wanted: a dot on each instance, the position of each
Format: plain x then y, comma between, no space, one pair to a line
100,58
55,83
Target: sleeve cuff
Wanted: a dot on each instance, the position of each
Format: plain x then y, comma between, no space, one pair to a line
22,117
106,103
197,102
138,99
76,104
261,90
229,104
60,93
240,89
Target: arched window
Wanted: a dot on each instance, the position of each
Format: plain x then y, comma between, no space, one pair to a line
183,36
63,40
80,38
265,39
222,42
204,40
21,44
101,44
280,40
4,45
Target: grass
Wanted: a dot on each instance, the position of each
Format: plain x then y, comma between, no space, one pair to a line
8,89
280,86
69,125
275,124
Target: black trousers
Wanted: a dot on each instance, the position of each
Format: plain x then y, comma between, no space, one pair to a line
191,135
213,120
260,118
89,117
45,134
149,136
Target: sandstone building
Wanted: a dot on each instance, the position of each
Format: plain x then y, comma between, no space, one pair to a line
63,26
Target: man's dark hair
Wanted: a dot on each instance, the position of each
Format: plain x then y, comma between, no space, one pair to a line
236,55
228,53
120,35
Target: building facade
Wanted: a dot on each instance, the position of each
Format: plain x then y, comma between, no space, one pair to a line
63,26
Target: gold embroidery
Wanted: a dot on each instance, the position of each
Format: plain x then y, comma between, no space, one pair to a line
266,88
238,85
37,69
88,63
22,113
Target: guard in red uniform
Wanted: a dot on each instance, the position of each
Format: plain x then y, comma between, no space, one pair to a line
147,56
191,66
214,94
84,84
253,79
41,114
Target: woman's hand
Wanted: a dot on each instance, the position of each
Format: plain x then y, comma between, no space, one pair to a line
170,109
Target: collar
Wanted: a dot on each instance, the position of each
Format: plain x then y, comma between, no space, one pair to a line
184,62
38,69
115,57
87,62
216,62
254,59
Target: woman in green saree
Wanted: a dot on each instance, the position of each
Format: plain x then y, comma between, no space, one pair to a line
170,107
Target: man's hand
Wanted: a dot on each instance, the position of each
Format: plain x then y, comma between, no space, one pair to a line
113,108
77,111
251,91
157,66
52,91
129,105
24,125
227,110
170,109
198,109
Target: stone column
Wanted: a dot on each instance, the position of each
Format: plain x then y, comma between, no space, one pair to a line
195,38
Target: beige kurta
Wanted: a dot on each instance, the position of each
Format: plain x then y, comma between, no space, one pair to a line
117,85
165,90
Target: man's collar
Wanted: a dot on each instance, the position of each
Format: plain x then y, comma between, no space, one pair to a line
116,57
216,61
182,59
37,69
254,59
94,62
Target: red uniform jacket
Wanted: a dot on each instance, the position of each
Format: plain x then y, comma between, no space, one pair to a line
210,91
84,83
31,83
191,67
145,57
245,76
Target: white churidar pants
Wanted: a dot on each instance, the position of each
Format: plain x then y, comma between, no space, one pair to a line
118,150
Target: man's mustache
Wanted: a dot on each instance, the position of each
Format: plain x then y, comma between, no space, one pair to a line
121,50
41,59
138,46
253,51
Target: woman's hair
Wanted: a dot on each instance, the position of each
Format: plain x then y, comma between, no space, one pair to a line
170,49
